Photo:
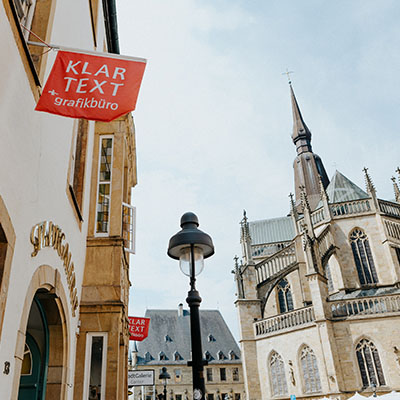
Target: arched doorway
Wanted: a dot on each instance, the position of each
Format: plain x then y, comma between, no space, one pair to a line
43,362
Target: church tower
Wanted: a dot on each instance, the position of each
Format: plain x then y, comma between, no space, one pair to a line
308,167
318,291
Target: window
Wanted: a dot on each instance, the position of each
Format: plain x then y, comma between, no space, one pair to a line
178,397
76,178
162,356
178,375
369,364
363,257
209,375
104,185
284,296
95,366
278,378
221,355
211,338
222,374
232,355
37,17
235,374
308,361
397,249
148,357
328,276
208,356
177,356
168,338
25,10
237,396
210,396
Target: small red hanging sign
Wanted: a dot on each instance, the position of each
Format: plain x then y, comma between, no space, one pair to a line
138,328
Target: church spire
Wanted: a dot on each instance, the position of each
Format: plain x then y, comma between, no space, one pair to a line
301,134
308,167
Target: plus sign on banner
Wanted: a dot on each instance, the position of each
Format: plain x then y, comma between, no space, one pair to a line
138,328
90,85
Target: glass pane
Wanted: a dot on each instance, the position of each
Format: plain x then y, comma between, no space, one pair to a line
103,207
27,362
96,366
105,160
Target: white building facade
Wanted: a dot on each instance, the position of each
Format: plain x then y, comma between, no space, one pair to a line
46,176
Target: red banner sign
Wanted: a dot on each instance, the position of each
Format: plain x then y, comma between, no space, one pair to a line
95,86
138,328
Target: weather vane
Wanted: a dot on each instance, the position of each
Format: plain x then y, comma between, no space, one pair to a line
287,73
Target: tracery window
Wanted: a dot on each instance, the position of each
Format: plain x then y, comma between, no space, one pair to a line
369,364
284,296
309,367
278,378
363,257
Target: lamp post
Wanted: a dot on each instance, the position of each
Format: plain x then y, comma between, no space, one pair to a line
164,376
191,246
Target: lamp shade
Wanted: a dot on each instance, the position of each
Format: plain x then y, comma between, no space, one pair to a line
190,235
164,375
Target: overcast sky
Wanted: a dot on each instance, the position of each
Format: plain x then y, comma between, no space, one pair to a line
213,120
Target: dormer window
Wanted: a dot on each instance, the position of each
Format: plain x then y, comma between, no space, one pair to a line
177,356
221,355
232,355
168,338
162,356
208,356
148,357
211,338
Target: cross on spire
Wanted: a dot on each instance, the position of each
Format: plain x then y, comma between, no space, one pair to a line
287,73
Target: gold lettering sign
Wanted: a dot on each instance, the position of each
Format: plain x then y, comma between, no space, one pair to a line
46,234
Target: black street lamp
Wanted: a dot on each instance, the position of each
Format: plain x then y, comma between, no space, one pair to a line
164,376
191,246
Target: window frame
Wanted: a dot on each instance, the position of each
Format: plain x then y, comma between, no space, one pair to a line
276,357
379,380
307,353
356,236
88,357
101,138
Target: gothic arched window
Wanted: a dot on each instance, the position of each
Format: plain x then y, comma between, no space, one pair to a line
284,296
369,364
363,257
309,367
278,378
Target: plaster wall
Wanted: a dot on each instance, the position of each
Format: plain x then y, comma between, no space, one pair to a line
34,162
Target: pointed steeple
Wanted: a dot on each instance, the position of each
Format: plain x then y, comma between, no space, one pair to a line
396,190
308,166
301,134
370,188
245,239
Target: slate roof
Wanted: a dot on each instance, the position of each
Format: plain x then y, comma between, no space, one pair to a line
271,230
343,189
170,333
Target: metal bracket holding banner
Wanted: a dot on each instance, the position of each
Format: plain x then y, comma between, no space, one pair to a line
144,377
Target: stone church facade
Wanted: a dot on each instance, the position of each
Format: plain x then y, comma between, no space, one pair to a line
318,294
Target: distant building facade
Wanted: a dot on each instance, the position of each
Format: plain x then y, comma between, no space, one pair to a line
318,291
65,219
168,345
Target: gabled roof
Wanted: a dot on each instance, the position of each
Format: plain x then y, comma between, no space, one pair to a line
272,230
177,327
343,189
